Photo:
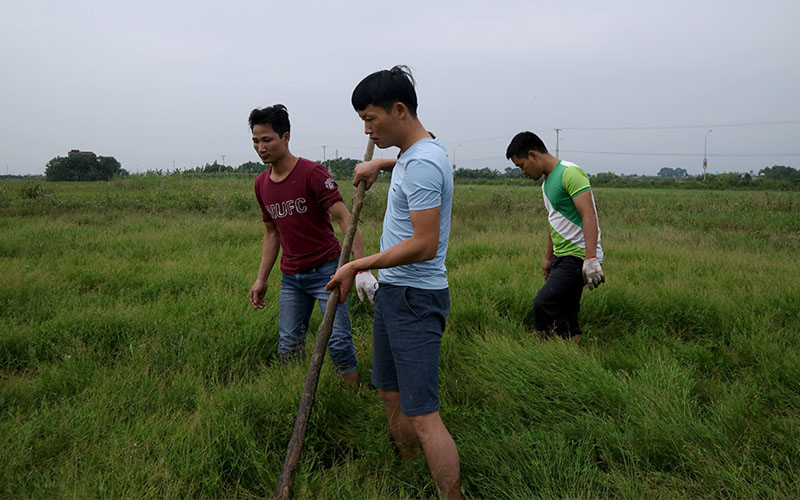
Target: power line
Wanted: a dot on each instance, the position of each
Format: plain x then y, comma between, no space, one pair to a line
643,127
621,153
316,148
673,127
499,138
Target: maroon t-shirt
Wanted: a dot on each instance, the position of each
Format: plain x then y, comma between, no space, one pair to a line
298,205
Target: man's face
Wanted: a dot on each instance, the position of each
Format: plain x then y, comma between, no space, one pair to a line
531,165
268,144
380,125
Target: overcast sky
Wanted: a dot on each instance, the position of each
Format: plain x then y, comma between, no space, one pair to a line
157,84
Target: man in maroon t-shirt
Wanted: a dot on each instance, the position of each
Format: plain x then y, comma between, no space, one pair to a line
297,199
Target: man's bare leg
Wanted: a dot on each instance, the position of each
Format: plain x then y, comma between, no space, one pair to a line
575,338
399,425
350,380
440,452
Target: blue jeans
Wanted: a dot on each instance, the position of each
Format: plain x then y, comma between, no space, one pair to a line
298,293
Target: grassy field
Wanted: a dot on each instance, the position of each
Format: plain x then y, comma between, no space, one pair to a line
131,364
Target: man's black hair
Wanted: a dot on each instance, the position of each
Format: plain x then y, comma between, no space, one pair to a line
275,116
386,87
524,142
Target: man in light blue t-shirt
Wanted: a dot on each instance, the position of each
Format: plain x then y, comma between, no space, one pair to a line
421,180
413,299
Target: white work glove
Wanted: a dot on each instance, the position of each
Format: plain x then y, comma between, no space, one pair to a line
593,273
366,286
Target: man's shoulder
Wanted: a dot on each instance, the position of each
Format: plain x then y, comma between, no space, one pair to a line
305,165
574,179
263,177
573,169
317,181
427,148
308,172
428,156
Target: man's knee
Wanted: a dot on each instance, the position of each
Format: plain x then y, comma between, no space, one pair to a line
291,335
426,425
543,312
341,344
538,307
389,397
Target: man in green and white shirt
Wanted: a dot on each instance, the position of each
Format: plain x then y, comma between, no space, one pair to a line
574,255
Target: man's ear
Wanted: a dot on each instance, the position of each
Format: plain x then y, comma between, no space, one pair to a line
285,137
400,108
533,154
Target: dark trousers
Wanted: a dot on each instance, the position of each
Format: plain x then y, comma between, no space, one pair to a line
556,306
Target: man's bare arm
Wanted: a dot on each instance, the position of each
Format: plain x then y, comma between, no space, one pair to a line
270,247
342,216
585,206
421,246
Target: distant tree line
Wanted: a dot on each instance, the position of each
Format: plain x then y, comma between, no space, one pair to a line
83,167
774,177
487,173
340,168
780,172
251,167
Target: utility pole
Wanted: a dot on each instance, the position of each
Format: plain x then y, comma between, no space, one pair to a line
324,159
223,160
173,165
705,155
558,130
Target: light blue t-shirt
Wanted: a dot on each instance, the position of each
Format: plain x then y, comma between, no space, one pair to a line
421,179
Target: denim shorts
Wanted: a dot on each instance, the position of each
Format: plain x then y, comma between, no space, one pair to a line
407,331
299,291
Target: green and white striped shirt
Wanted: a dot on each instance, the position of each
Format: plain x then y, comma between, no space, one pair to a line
565,182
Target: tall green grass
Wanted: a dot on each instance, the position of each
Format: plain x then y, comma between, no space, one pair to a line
131,364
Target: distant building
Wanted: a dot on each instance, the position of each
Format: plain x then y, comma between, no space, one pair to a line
81,154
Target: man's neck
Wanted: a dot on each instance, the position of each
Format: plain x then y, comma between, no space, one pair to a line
285,165
416,132
550,164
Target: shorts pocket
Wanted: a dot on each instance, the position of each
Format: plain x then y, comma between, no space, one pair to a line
411,304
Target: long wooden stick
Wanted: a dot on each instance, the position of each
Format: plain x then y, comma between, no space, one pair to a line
286,479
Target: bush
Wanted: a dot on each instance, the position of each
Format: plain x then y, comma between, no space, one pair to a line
35,191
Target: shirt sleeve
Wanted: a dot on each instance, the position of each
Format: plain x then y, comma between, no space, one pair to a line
324,187
422,185
575,181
